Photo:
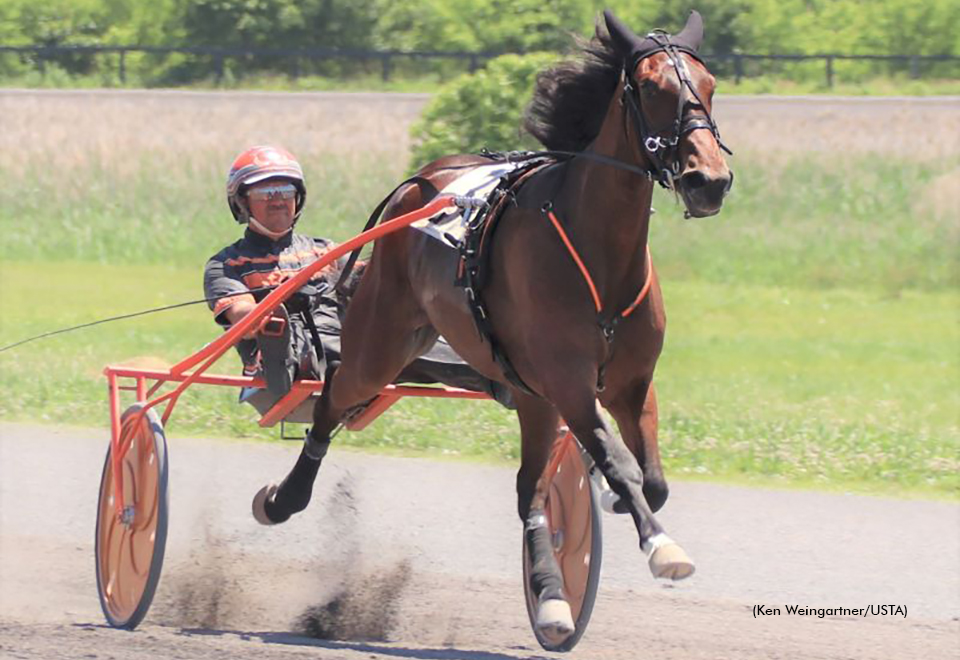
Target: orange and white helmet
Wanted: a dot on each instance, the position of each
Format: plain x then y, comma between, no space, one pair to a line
259,164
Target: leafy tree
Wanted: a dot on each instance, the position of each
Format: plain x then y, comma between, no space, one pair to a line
528,25
727,22
480,25
437,25
58,23
278,23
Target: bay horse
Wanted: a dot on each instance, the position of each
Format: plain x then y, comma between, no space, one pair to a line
569,257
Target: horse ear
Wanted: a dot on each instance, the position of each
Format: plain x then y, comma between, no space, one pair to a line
624,40
692,33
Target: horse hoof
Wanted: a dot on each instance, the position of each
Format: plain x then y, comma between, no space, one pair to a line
670,562
268,492
554,618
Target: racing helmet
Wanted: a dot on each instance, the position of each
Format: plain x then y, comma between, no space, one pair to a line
259,164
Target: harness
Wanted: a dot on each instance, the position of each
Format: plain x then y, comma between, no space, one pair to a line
662,151
606,325
475,256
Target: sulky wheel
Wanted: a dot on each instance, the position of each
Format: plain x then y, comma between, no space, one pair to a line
573,516
129,548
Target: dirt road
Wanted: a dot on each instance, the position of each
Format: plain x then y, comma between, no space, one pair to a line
425,554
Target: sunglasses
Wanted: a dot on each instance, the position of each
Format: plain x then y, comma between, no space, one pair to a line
283,191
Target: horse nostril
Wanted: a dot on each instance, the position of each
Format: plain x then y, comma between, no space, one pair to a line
694,180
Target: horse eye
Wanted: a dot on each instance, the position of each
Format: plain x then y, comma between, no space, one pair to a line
649,87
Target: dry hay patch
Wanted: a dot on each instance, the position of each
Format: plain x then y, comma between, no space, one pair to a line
66,135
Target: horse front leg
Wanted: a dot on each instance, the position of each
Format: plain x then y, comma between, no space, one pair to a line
538,431
666,558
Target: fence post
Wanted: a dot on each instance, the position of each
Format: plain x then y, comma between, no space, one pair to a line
123,67
218,67
914,67
385,60
829,59
474,63
737,67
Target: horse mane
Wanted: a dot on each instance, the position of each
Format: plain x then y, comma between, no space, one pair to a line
571,98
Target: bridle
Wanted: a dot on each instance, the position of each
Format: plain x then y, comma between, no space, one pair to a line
660,151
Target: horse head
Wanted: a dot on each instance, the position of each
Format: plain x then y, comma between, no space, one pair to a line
669,91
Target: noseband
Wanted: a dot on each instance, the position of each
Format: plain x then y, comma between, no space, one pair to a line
662,151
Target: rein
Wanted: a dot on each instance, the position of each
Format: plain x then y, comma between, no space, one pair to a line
121,317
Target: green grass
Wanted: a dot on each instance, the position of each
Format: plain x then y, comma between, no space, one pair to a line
822,386
836,388
135,212
860,222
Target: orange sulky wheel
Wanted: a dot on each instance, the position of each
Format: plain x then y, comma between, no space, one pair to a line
573,516
129,548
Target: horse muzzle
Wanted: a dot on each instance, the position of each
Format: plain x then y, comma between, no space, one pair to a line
703,194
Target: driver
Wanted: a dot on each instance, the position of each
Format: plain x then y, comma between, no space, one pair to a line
266,193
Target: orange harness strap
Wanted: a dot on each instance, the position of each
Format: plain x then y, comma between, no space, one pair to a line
589,280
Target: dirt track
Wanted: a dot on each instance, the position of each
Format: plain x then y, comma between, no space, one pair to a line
445,536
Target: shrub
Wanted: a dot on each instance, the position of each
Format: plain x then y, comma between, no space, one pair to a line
480,110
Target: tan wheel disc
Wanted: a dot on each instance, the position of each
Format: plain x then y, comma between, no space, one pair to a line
568,514
127,549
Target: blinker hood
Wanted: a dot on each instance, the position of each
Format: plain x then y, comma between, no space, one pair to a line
633,48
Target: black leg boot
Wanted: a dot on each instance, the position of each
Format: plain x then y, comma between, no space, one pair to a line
275,504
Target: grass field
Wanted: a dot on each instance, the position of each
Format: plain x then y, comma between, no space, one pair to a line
813,327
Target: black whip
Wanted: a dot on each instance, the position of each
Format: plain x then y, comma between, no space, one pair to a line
122,317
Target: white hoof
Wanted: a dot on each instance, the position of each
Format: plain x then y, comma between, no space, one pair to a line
268,492
668,561
554,618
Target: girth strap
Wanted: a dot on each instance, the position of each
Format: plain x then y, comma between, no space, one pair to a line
474,262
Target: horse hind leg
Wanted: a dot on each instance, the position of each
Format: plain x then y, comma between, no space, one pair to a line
383,330
538,430
666,558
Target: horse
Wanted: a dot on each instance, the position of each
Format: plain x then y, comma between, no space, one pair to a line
561,297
